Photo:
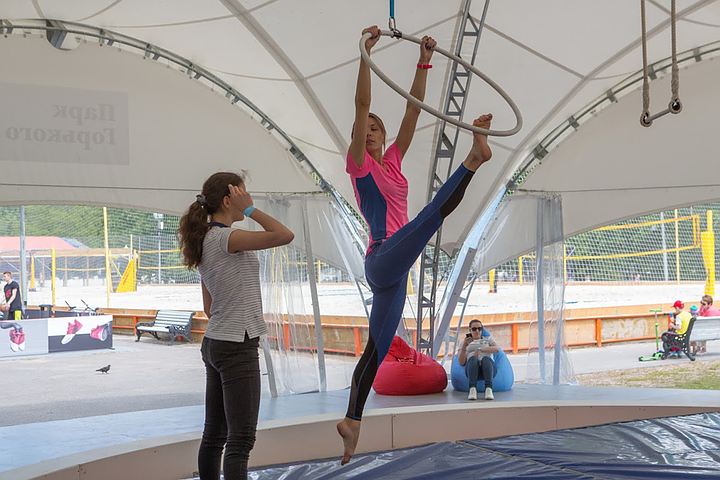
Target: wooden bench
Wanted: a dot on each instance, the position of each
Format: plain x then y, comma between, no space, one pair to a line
172,322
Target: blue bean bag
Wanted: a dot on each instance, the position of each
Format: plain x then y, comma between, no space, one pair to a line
502,382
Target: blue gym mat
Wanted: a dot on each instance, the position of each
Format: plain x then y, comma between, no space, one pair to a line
686,447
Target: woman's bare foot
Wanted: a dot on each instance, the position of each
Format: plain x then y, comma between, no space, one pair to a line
349,430
481,151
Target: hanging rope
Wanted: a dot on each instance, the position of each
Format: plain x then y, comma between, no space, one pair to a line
675,106
391,21
646,81
675,82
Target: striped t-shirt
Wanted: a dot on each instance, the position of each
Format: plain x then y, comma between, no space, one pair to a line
233,280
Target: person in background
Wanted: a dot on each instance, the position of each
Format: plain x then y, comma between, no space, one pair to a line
12,298
706,307
681,321
476,356
706,310
11,305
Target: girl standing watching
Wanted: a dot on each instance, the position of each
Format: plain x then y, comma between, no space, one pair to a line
230,280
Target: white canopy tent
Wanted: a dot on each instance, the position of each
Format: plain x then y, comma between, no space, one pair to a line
139,122
297,62
169,133
610,168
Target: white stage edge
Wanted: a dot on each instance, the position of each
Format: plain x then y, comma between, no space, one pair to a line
427,419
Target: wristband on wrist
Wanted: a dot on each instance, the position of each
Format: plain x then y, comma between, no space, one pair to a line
249,211
424,66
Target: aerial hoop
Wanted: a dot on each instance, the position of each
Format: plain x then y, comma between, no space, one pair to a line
455,121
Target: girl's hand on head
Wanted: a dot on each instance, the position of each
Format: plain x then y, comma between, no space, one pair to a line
239,197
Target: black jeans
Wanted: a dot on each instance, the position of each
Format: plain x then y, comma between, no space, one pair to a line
232,401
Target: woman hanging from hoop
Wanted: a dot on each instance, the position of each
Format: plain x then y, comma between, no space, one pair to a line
381,191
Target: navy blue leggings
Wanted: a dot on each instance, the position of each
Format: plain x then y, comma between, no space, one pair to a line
386,270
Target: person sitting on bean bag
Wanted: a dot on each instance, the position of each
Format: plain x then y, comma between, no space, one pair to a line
476,356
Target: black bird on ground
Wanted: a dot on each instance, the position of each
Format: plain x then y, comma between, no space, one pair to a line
105,369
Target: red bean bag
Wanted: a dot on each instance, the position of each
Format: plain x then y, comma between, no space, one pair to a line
405,371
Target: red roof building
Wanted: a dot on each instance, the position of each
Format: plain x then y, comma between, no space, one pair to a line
35,243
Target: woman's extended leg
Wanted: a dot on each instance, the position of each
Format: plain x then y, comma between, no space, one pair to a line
385,315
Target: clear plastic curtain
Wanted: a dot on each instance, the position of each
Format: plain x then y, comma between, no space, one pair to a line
548,360
520,221
506,229
305,351
297,357
338,242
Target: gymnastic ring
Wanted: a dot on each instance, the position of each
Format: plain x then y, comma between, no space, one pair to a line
675,105
645,120
433,111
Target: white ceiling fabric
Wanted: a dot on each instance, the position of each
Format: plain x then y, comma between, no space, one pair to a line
297,61
165,159
609,169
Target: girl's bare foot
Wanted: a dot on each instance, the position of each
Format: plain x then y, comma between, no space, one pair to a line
349,430
481,151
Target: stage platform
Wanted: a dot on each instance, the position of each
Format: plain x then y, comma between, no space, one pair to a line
162,444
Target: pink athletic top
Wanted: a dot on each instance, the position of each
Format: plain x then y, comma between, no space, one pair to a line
381,193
